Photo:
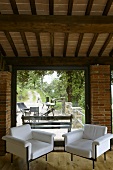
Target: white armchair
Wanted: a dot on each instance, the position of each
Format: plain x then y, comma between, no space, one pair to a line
28,144
89,142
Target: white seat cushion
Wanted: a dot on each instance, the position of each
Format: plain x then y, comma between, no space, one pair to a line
82,147
39,148
93,132
21,132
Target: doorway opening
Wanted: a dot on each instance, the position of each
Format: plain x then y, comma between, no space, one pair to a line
52,93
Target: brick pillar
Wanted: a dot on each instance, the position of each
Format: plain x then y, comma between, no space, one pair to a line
5,107
100,95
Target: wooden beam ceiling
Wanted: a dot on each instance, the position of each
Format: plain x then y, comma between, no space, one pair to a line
105,44
3,53
111,53
25,43
39,44
14,6
70,24
107,7
51,7
79,44
52,44
11,43
33,7
92,44
70,6
58,61
65,44
89,6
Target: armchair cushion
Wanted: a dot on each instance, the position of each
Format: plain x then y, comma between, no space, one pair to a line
94,131
81,147
22,132
39,148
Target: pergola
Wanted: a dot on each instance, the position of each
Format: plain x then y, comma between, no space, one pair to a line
58,33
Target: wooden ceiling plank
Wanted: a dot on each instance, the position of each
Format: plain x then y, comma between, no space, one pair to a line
9,38
33,7
14,6
2,50
70,7
105,44
111,53
51,7
25,43
38,44
58,61
92,44
79,44
52,44
89,6
73,24
65,44
107,7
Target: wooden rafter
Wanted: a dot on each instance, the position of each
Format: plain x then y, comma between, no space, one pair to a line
58,61
78,24
33,7
1,62
65,44
52,44
3,65
2,50
38,44
79,44
105,44
51,7
111,53
89,6
25,43
107,7
92,44
8,36
14,6
70,7
88,10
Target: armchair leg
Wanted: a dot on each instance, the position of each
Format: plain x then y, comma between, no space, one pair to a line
93,164
71,157
27,165
104,156
46,157
27,161
11,158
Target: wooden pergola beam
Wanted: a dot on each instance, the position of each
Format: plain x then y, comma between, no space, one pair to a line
70,24
58,61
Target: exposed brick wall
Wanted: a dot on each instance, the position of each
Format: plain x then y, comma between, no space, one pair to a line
5,107
100,95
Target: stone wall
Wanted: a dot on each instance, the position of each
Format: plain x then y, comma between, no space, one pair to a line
77,114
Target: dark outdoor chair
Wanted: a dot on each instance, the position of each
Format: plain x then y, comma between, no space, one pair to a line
35,110
23,108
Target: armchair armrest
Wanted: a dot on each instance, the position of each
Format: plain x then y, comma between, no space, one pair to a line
17,146
103,143
73,136
102,139
43,136
16,141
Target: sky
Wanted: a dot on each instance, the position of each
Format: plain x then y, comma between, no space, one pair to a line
49,78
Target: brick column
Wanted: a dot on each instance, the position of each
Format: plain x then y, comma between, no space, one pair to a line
100,95
5,107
